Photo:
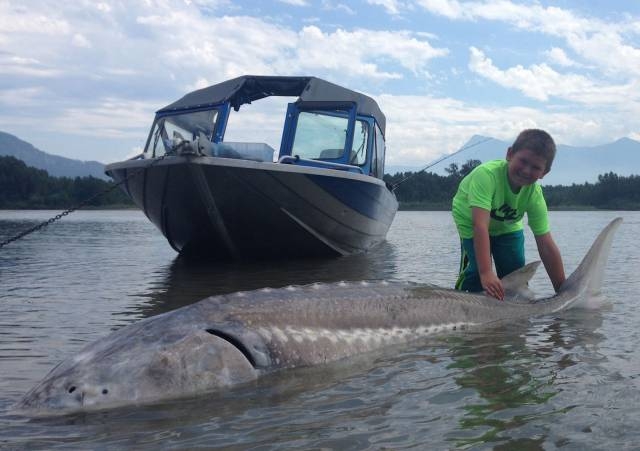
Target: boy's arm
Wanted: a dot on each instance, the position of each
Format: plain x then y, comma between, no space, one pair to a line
482,248
551,258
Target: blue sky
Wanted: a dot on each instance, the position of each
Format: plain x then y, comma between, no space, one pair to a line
82,79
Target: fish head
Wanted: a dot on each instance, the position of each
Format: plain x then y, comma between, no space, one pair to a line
120,373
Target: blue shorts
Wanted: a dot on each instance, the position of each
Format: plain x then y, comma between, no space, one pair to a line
508,255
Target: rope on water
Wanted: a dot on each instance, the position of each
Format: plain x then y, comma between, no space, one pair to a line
84,203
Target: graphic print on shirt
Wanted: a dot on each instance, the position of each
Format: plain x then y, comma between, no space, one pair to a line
504,213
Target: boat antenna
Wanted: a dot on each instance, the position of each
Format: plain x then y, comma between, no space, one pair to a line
440,160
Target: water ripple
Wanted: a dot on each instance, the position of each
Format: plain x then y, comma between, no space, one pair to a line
571,381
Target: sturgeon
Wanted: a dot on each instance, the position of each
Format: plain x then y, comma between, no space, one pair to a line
235,338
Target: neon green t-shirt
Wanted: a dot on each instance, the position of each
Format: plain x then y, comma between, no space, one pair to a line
487,187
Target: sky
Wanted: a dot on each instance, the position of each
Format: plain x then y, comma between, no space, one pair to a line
83,79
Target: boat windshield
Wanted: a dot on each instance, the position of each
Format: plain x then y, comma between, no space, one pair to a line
172,133
322,137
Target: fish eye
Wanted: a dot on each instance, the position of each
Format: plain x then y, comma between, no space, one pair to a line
105,391
72,389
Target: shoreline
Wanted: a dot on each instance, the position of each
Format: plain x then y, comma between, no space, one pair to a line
425,206
402,206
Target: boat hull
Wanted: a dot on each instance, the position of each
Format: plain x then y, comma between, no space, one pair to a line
229,209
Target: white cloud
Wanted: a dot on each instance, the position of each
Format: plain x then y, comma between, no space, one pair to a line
447,8
25,66
356,52
391,6
134,152
104,7
79,40
218,50
607,51
601,43
10,99
421,129
132,52
110,118
540,82
200,83
558,56
214,49
122,71
203,5
146,54
22,19
329,5
295,2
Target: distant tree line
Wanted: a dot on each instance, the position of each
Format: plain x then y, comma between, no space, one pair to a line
610,192
429,191
426,190
22,186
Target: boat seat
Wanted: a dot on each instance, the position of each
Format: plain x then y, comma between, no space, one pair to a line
331,153
243,151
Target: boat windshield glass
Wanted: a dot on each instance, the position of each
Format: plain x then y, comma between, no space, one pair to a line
359,148
175,132
319,136
322,136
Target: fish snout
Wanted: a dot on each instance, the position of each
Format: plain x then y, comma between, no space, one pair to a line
49,395
187,364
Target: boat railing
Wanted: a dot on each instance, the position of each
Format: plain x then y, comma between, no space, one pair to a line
289,159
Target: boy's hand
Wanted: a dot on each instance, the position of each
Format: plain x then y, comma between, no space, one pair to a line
492,285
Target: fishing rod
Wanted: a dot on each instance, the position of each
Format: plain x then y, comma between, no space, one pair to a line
439,160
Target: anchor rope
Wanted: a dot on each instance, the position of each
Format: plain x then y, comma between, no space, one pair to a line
85,202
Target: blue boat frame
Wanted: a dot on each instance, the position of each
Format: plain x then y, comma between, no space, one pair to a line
228,207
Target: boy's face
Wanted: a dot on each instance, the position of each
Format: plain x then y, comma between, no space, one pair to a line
525,167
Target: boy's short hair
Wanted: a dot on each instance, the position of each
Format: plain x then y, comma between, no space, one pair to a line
539,142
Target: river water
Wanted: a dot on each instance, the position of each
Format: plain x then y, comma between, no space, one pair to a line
570,381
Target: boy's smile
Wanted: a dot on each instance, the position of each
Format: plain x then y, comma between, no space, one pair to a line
525,167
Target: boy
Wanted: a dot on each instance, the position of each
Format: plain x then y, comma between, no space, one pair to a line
488,210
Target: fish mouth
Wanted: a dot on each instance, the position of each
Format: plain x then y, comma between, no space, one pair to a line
35,404
56,395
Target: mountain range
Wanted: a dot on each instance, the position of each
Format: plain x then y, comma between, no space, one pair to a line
571,165
55,165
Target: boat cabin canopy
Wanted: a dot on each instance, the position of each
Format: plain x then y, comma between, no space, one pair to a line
328,126
311,91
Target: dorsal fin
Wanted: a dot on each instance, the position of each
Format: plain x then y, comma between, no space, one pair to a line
516,284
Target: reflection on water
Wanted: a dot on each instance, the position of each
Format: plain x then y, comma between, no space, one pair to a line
500,383
186,281
516,375
570,381
504,375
